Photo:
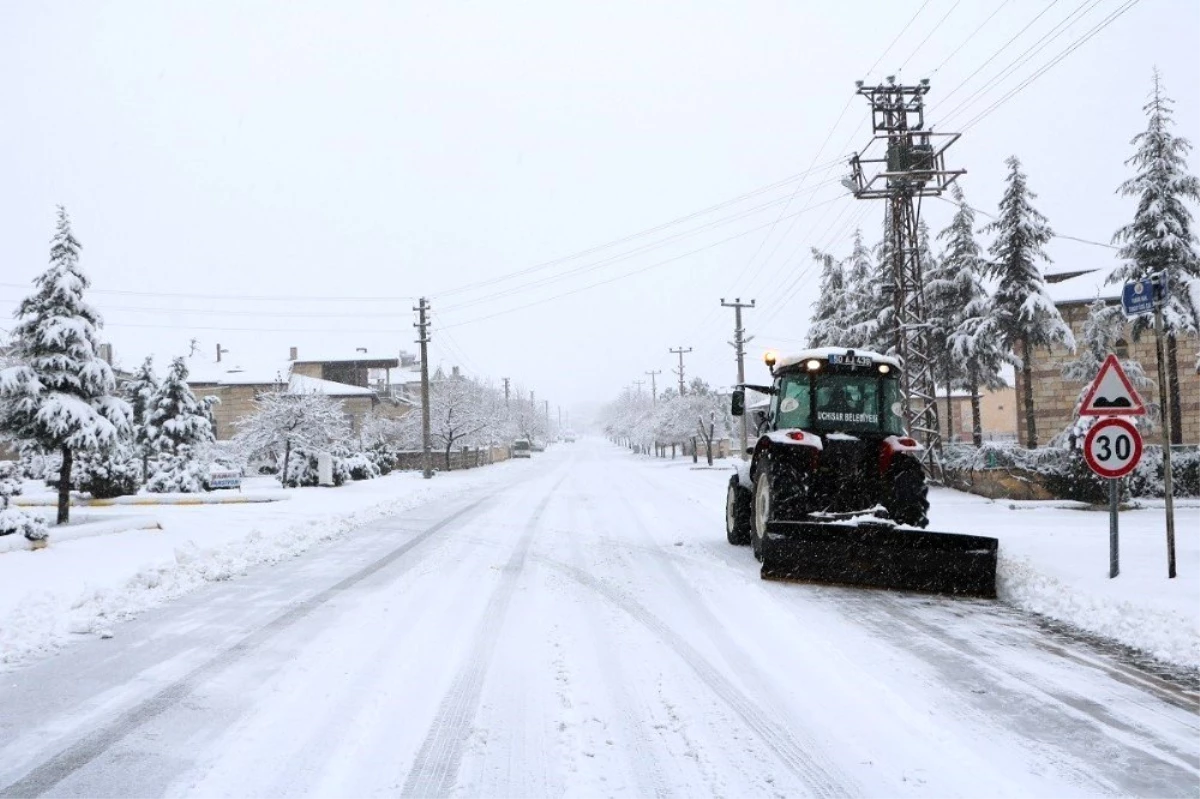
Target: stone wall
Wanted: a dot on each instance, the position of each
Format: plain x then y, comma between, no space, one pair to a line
1054,398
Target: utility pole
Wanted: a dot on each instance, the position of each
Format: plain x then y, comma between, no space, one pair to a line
739,345
639,384
654,385
422,324
547,418
559,417
505,379
912,165
1164,398
680,352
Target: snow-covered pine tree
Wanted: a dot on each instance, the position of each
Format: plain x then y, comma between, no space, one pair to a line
1026,317
959,301
1160,237
1102,331
60,396
140,391
828,311
178,427
869,307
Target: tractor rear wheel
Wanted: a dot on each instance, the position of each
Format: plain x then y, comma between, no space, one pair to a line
737,513
910,494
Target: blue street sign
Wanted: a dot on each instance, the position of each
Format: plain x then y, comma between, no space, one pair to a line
1137,298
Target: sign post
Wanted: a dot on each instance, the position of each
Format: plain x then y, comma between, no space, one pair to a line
1138,298
1113,447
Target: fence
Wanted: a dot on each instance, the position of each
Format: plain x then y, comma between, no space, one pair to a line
462,458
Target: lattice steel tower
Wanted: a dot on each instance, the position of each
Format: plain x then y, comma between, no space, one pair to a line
910,167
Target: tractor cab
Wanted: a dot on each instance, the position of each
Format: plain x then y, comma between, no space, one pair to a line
836,391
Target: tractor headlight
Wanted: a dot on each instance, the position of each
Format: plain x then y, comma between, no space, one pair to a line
813,365
884,368
769,357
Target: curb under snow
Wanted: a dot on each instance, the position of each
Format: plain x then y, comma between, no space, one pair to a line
154,499
73,532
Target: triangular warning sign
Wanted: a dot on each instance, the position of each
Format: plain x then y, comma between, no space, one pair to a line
1111,393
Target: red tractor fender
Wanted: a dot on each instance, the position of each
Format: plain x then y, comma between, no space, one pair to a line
786,439
892,446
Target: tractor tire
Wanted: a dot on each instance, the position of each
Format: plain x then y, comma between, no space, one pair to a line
910,494
737,513
776,498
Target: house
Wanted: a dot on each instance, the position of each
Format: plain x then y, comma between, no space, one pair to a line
364,386
996,416
1054,398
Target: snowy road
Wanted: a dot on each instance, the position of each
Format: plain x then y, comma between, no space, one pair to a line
583,630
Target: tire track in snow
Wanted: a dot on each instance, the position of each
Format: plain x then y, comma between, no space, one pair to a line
50,773
805,759
821,779
435,769
650,779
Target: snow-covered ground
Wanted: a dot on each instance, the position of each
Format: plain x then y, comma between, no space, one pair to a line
577,625
78,587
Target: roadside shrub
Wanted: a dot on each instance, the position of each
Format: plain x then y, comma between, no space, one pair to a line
361,467
180,473
1147,479
302,470
14,521
113,472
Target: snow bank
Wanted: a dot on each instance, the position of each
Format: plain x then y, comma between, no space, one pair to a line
74,532
83,586
1054,562
155,499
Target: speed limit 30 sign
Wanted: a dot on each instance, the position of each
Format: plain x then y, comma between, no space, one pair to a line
1112,448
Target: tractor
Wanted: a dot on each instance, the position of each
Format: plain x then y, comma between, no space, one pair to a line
835,491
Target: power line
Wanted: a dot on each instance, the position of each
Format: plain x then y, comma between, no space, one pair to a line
970,36
1047,38
993,56
648,231
917,49
251,297
1049,65
614,279
1053,235
590,267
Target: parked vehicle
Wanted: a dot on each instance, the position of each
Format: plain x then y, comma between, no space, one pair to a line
522,449
537,446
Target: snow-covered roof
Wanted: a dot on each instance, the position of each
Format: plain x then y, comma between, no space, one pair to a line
302,384
232,373
304,356
1085,287
823,353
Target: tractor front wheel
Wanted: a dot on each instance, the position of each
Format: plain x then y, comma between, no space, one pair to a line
737,513
910,494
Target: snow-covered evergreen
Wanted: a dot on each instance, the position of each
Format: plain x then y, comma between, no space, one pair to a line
1025,315
1160,238
140,391
178,426
869,307
828,319
61,395
961,311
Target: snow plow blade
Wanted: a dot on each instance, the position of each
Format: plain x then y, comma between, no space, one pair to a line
881,556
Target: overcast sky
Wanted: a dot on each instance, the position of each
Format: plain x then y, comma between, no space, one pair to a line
323,163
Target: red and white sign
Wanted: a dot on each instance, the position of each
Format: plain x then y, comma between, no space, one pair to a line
1112,448
1111,393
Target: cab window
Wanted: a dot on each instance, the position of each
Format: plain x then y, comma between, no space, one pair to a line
792,403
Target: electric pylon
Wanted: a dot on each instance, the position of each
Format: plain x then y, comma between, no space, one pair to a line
912,166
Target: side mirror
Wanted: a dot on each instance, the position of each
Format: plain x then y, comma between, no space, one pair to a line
738,406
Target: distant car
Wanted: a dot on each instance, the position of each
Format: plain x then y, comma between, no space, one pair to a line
569,437
521,449
538,446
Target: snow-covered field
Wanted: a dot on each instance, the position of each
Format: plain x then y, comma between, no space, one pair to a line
577,625
79,587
